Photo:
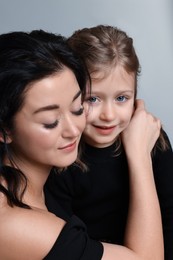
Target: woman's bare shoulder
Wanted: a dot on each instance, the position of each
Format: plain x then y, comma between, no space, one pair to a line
29,233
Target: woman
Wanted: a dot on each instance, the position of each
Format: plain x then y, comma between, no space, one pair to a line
41,121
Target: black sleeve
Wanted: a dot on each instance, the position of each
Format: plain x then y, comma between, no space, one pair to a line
163,174
73,243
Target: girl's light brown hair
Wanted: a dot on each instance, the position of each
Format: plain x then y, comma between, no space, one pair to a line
102,48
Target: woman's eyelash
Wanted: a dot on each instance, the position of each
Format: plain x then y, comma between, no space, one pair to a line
54,124
50,126
79,112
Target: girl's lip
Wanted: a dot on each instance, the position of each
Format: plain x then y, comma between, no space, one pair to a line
104,127
104,130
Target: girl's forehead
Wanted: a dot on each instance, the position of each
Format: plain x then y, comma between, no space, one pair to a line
103,71
114,73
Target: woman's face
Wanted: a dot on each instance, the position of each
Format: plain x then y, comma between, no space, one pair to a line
111,107
50,123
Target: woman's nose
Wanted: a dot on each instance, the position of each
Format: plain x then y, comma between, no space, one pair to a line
70,128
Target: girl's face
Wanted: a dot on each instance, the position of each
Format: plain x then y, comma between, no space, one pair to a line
111,107
50,123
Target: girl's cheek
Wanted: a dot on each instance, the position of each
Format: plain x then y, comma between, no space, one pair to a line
91,117
83,123
86,108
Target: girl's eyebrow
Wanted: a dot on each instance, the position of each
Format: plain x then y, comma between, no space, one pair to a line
126,91
97,92
53,107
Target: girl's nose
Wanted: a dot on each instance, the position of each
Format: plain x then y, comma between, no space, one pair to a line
108,112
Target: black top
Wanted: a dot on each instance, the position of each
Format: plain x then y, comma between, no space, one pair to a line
73,241
100,196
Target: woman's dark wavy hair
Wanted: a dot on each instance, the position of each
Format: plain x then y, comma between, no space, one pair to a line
26,57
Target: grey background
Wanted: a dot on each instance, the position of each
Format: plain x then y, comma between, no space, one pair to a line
149,22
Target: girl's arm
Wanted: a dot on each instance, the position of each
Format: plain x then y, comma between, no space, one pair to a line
143,239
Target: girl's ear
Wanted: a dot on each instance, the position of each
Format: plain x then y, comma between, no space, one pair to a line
5,137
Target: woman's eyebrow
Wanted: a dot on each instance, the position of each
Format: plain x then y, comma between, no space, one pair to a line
52,107
77,95
46,108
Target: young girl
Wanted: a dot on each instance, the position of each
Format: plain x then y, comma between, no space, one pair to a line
100,197
41,121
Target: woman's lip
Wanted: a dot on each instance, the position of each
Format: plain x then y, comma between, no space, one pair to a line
68,146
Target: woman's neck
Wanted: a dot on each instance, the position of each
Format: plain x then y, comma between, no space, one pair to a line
36,175
34,194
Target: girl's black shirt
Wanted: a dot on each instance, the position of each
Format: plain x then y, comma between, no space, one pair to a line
100,197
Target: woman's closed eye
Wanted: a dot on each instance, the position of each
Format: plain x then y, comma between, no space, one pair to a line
52,125
79,111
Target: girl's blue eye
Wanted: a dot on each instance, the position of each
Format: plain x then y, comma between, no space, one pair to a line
92,99
50,126
121,98
79,112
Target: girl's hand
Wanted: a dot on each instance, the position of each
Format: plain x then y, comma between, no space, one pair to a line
142,132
